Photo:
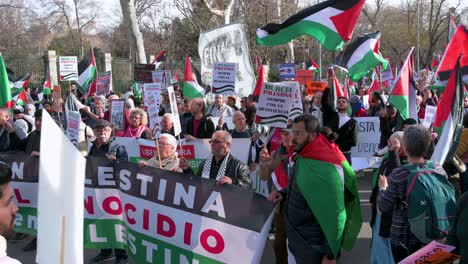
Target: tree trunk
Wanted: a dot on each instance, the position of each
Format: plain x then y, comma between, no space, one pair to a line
128,11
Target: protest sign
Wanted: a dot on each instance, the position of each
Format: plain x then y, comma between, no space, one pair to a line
73,126
287,71
117,114
388,74
143,73
224,78
368,137
429,115
274,104
304,76
433,252
227,43
153,102
296,105
313,87
57,97
174,110
68,66
104,83
59,197
163,78
158,216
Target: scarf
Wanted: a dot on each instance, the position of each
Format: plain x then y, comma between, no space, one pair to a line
134,132
171,163
207,167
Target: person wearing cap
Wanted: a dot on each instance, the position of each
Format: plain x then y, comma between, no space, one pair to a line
276,163
339,121
102,147
219,108
168,159
231,101
8,209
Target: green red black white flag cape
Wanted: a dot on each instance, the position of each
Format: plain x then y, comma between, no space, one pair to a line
457,45
448,118
361,56
331,22
192,81
87,72
5,88
324,175
403,91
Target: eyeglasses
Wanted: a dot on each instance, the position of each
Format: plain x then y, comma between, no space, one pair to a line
216,141
103,129
135,117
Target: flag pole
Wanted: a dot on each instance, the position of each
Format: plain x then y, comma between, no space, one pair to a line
418,33
320,61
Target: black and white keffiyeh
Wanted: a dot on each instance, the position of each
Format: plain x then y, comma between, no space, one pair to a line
207,167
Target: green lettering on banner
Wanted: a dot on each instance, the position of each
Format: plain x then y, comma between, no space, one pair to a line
144,249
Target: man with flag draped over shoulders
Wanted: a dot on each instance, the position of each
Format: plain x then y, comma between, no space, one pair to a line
322,213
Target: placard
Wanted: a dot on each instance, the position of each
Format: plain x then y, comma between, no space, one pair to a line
304,76
296,106
224,78
313,87
104,83
368,137
143,73
274,104
287,71
174,110
162,77
68,66
117,114
388,74
73,126
153,102
431,251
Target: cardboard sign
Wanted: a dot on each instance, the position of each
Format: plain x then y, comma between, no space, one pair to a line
287,70
174,110
162,77
117,114
388,74
73,126
224,78
104,83
153,102
315,86
368,137
68,68
274,104
143,73
304,76
433,251
296,106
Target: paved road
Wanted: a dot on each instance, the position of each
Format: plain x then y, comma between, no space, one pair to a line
360,253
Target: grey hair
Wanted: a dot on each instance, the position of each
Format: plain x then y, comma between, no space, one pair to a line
416,140
171,140
169,114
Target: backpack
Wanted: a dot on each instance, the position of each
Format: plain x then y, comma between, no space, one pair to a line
431,202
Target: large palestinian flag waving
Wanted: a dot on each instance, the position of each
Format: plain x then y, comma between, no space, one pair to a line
361,56
449,118
192,81
457,45
324,176
331,22
403,93
87,72
5,89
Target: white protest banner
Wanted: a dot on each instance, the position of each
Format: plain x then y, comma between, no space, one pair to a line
287,71
163,78
429,115
227,43
153,102
296,106
104,83
117,114
388,74
224,78
68,66
73,126
174,110
60,198
368,137
433,252
274,104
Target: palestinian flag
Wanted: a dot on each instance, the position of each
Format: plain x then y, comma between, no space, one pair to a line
435,62
452,27
361,56
403,92
259,84
331,22
192,80
456,46
87,72
5,88
46,84
375,87
160,58
137,88
21,98
18,85
449,117
311,65
324,175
